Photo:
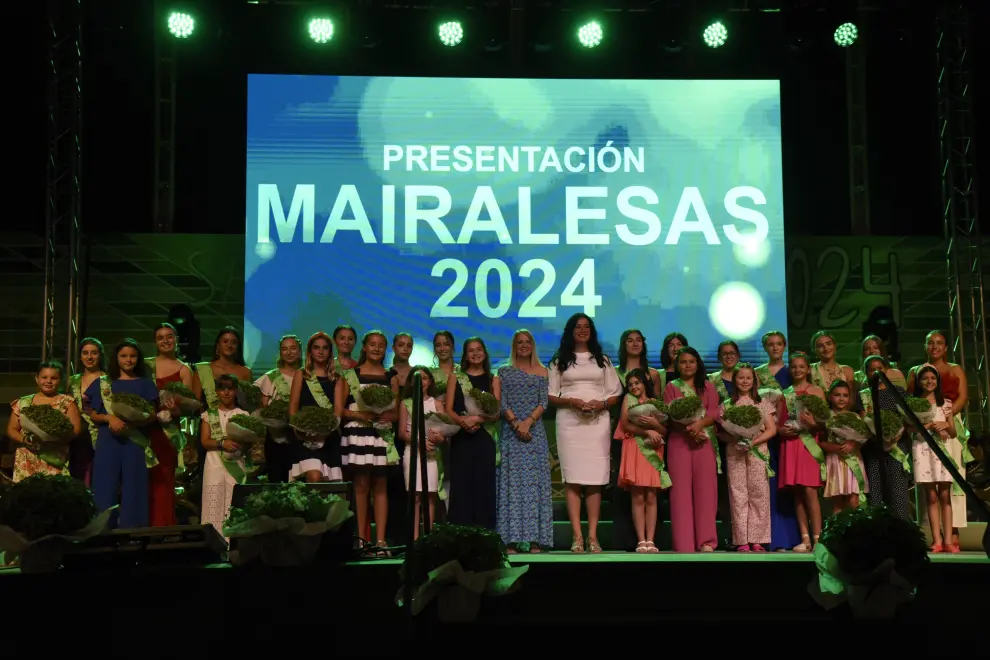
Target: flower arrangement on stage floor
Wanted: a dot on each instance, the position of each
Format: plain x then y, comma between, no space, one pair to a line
871,559
284,524
455,566
43,517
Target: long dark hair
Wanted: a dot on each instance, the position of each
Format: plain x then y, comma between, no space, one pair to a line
168,326
450,337
754,393
700,378
644,361
140,369
939,397
644,377
408,390
565,355
665,359
230,330
93,341
486,365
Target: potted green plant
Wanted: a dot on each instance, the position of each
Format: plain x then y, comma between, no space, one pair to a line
43,517
453,567
284,524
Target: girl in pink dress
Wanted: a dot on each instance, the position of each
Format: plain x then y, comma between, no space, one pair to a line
845,471
692,460
747,466
641,469
802,461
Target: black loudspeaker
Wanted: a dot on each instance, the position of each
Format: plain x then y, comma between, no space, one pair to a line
343,489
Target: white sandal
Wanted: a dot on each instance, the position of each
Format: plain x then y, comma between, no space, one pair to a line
651,548
805,545
642,547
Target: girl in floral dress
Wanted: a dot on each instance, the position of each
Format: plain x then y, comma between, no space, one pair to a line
845,472
827,370
929,472
525,495
32,457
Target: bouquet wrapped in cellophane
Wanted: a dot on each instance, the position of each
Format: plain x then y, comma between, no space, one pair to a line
686,410
181,396
814,405
922,409
245,429
46,423
848,426
377,398
248,396
653,407
131,407
479,402
891,423
744,422
442,424
275,415
314,425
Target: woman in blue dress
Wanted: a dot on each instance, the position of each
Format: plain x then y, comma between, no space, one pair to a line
784,531
525,496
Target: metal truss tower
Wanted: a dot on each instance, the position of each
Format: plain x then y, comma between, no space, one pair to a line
856,111
963,242
165,71
63,237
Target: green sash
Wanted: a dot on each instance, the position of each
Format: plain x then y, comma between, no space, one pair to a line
282,387
686,390
767,380
790,397
238,472
388,434
136,435
648,452
491,427
896,453
437,456
716,380
440,376
852,461
755,450
173,430
75,386
57,459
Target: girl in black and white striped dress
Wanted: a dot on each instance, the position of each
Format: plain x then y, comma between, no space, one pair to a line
367,442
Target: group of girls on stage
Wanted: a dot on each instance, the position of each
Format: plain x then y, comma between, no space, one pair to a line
494,471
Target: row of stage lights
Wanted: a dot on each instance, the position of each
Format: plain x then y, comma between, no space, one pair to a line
451,33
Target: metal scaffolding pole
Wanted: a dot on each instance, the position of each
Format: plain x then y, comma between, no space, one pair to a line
859,189
63,237
164,199
962,229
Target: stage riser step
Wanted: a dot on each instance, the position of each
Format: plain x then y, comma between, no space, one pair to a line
562,535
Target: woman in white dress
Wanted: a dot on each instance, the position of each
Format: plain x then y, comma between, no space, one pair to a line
583,385
224,464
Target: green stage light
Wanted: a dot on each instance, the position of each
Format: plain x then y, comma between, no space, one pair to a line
846,35
181,25
715,35
451,33
590,34
321,30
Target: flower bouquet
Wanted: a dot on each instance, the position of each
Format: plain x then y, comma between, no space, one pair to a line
284,524
455,566
891,424
440,385
276,417
686,410
43,517
849,426
871,559
442,424
377,398
479,402
652,407
813,405
922,409
245,429
46,423
183,397
248,396
131,407
314,425
744,422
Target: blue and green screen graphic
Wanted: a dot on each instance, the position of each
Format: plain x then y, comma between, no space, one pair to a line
481,206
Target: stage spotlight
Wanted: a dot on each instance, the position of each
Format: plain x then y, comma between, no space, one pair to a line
321,30
181,25
590,34
846,35
715,35
451,33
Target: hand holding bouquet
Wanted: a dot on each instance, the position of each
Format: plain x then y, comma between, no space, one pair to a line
891,424
248,396
686,410
479,402
653,407
812,405
275,416
377,399
848,426
922,409
442,424
181,396
131,407
314,424
245,430
744,422
46,423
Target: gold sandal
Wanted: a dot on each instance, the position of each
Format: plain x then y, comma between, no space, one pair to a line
593,546
804,545
577,545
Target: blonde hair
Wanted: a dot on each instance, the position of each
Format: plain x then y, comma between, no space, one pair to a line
534,360
310,369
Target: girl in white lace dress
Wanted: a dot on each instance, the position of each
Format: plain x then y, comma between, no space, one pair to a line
929,472
223,456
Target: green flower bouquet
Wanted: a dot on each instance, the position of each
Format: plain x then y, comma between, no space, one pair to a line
275,415
43,517
891,424
131,408
245,429
377,398
686,409
182,396
248,396
314,425
284,524
652,407
922,409
442,424
455,566
46,423
744,422
479,402
849,426
813,405
871,559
